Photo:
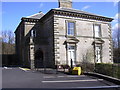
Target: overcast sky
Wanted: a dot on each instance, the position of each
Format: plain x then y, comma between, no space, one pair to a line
12,12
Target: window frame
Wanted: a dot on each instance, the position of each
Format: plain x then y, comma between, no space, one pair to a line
68,28
33,33
75,51
98,45
99,32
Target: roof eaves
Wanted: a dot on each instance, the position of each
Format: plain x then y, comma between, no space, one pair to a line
84,13
18,26
29,19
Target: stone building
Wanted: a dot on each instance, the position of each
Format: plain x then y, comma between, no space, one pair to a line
63,35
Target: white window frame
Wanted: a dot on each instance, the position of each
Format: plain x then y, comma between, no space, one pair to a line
33,33
72,30
68,49
97,30
96,55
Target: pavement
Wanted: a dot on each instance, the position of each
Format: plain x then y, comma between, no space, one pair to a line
25,78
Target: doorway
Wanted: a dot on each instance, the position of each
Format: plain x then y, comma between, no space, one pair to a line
71,55
39,59
98,54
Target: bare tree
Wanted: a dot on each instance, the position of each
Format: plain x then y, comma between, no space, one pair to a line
116,45
8,37
8,42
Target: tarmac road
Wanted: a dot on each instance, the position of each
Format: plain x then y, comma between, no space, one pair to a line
13,78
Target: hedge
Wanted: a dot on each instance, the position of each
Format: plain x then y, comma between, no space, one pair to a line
108,69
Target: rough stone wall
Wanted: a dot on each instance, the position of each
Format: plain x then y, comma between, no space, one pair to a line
19,42
51,37
22,42
84,33
44,41
28,46
110,43
57,41
48,33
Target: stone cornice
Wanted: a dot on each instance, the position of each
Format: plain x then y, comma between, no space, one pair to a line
79,36
68,13
30,19
26,20
82,15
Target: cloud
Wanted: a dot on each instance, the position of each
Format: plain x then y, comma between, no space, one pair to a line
115,31
116,26
116,18
115,3
41,5
86,7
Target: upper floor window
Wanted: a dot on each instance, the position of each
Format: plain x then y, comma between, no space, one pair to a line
97,30
71,28
33,33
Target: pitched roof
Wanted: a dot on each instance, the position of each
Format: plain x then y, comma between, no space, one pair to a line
36,16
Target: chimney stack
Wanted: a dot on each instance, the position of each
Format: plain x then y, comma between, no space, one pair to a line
65,3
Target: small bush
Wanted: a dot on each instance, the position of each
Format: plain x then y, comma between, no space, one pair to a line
86,67
65,66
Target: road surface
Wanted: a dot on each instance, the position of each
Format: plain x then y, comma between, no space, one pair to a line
21,78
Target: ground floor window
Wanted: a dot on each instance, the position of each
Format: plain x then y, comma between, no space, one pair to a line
98,53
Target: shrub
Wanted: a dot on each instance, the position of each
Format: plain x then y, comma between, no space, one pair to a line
108,69
86,67
65,66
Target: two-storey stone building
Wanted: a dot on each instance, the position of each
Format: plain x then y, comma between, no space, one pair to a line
63,35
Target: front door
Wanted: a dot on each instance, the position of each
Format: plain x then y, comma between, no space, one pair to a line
39,59
71,55
98,54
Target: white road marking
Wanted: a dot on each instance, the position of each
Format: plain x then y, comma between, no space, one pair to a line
100,79
73,76
71,81
59,76
7,68
69,76
49,77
